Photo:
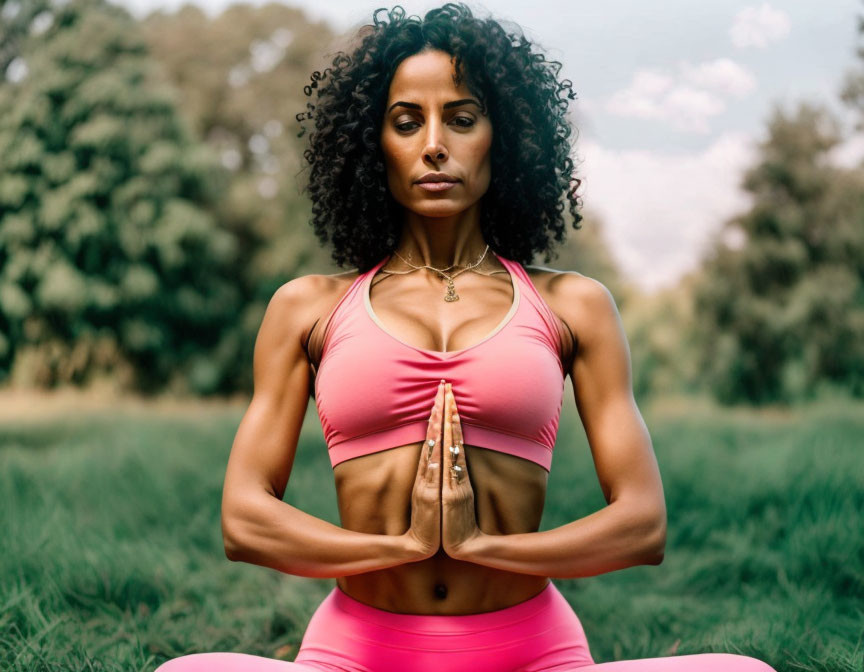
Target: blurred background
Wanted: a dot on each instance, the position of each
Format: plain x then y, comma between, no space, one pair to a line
151,171
150,206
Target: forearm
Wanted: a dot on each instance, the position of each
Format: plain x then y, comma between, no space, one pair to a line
612,538
272,533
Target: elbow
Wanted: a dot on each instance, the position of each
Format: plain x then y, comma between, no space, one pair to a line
647,535
655,542
231,540
656,558
238,521
232,552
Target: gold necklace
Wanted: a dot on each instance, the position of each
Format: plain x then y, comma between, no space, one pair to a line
451,294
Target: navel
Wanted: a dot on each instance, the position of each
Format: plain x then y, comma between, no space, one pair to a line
440,591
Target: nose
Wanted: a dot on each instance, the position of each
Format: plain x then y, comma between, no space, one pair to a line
435,153
434,150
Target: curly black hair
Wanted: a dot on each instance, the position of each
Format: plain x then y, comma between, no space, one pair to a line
519,89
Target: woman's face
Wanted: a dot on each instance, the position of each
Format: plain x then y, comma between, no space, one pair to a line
432,125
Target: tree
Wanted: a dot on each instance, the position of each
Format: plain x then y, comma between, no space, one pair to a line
110,262
780,312
240,77
660,326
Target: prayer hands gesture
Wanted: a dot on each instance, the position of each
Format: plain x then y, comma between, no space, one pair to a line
442,502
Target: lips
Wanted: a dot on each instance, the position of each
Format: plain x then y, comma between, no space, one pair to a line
436,186
437,177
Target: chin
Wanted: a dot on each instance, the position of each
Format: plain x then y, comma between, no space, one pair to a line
444,210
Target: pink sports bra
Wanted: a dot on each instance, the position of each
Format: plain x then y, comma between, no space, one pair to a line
375,392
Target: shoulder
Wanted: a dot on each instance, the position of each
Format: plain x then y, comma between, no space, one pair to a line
298,303
306,287
584,304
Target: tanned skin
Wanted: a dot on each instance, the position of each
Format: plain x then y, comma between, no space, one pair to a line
412,540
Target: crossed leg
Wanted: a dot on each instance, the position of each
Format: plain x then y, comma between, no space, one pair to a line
236,662
697,662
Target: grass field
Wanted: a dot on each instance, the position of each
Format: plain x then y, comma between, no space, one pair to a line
112,554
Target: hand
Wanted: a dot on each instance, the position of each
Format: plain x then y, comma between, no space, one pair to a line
424,533
459,520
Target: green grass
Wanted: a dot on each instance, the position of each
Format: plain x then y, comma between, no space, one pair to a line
112,554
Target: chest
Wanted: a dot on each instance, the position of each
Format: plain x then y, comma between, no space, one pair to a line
432,316
420,317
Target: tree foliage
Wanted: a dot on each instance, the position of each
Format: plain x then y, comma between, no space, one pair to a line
780,304
240,78
110,261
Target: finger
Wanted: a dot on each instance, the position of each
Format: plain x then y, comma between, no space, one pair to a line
458,457
432,449
448,427
454,450
433,433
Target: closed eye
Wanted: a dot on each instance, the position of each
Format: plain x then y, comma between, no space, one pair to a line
470,123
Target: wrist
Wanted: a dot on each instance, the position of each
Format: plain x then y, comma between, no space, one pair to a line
412,549
472,548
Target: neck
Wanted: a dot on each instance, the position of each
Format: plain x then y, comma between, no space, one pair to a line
442,242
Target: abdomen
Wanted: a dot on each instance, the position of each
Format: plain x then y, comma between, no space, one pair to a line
374,493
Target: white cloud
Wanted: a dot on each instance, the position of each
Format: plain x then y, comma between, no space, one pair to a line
660,209
722,75
759,26
685,100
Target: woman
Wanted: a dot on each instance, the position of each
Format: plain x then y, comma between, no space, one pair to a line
441,148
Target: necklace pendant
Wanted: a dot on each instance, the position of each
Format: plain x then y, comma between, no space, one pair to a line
451,291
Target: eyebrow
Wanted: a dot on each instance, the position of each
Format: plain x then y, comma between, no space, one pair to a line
447,106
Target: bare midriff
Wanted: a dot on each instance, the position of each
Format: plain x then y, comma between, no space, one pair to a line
374,491
374,494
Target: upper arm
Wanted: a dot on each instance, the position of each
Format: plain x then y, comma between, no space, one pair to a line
602,383
264,447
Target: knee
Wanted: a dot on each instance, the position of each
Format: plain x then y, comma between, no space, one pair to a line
215,661
738,663
173,665
170,666
194,662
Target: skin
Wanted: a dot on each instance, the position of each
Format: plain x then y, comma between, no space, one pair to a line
412,539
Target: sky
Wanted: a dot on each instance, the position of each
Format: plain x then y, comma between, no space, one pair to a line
672,100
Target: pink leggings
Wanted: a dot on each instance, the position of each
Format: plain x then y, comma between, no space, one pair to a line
542,633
